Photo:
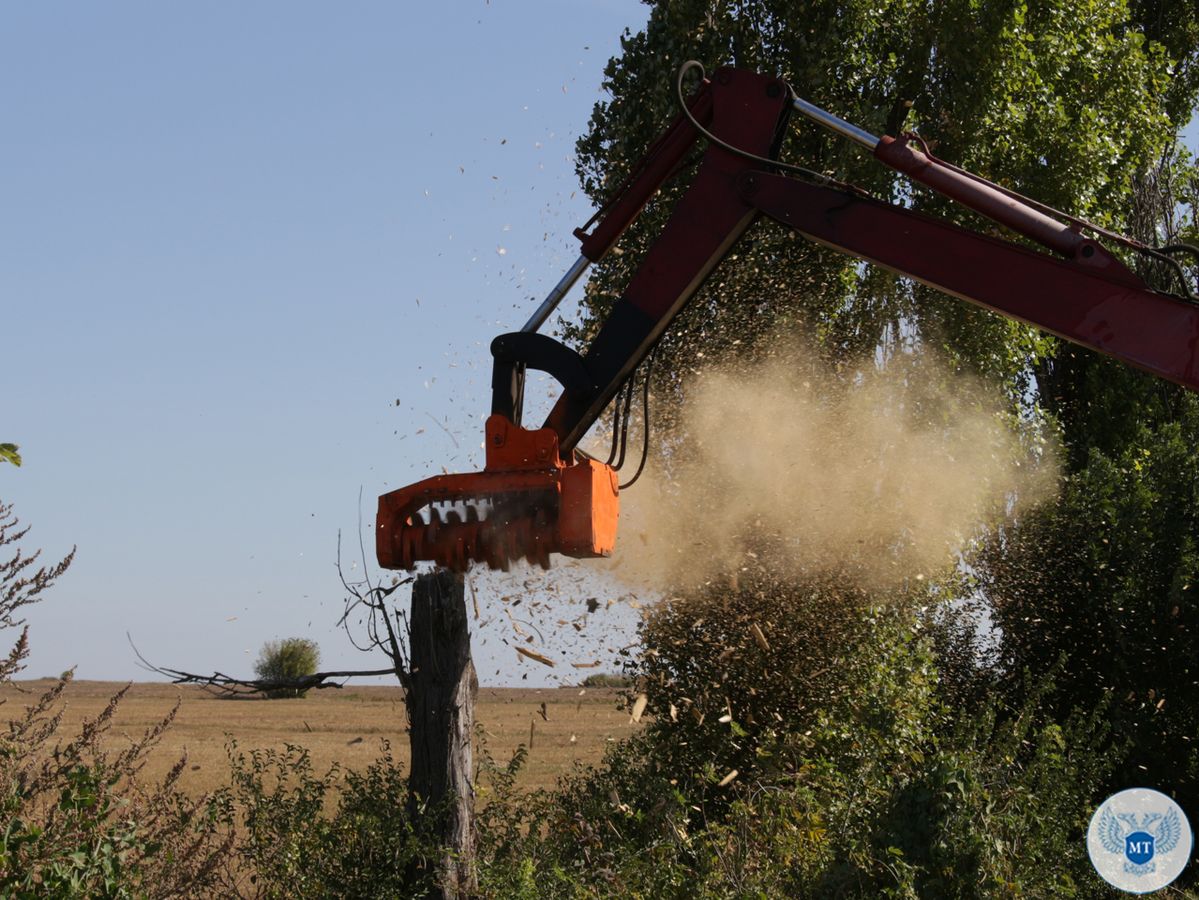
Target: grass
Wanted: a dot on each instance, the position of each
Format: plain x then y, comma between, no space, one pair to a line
343,726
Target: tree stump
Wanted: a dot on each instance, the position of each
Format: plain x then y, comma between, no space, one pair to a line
442,687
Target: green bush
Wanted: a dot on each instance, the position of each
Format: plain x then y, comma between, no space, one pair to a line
283,663
880,792
802,744
728,671
308,835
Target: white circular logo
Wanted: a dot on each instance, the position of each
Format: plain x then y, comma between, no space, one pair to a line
1139,840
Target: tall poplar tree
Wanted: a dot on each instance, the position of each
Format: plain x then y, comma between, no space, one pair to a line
1077,104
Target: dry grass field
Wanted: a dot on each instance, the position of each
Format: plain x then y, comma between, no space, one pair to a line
344,726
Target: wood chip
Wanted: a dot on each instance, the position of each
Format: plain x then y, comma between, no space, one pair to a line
639,706
590,665
728,779
759,638
536,657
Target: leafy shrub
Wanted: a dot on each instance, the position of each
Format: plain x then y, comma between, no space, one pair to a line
1106,576
728,670
281,663
309,835
881,794
814,755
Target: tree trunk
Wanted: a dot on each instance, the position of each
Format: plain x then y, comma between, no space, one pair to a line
441,713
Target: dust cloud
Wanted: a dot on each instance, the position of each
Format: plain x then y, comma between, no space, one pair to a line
880,471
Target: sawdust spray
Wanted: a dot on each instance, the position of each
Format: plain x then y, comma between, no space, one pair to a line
883,471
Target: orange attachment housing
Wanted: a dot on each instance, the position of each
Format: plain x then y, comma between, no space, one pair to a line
526,504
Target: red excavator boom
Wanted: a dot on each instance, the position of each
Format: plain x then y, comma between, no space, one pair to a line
539,494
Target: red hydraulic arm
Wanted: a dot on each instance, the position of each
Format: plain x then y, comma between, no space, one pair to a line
541,496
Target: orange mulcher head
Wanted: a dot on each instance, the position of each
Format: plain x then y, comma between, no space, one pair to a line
527,503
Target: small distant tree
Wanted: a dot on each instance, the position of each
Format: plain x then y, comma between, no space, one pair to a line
285,661
607,680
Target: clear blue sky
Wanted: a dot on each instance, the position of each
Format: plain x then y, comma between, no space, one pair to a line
232,237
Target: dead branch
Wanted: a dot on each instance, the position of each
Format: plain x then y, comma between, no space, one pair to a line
365,600
228,686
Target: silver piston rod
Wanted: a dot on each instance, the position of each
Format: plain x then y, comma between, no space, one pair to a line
835,123
561,289
810,110
547,307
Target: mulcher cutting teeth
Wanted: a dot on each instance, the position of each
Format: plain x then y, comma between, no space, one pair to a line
526,504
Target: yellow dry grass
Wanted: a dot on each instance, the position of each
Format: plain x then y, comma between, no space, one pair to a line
344,726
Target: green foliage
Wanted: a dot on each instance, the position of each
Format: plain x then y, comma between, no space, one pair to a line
282,663
873,790
8,453
308,835
728,670
1175,26
100,841
1063,102
1107,577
